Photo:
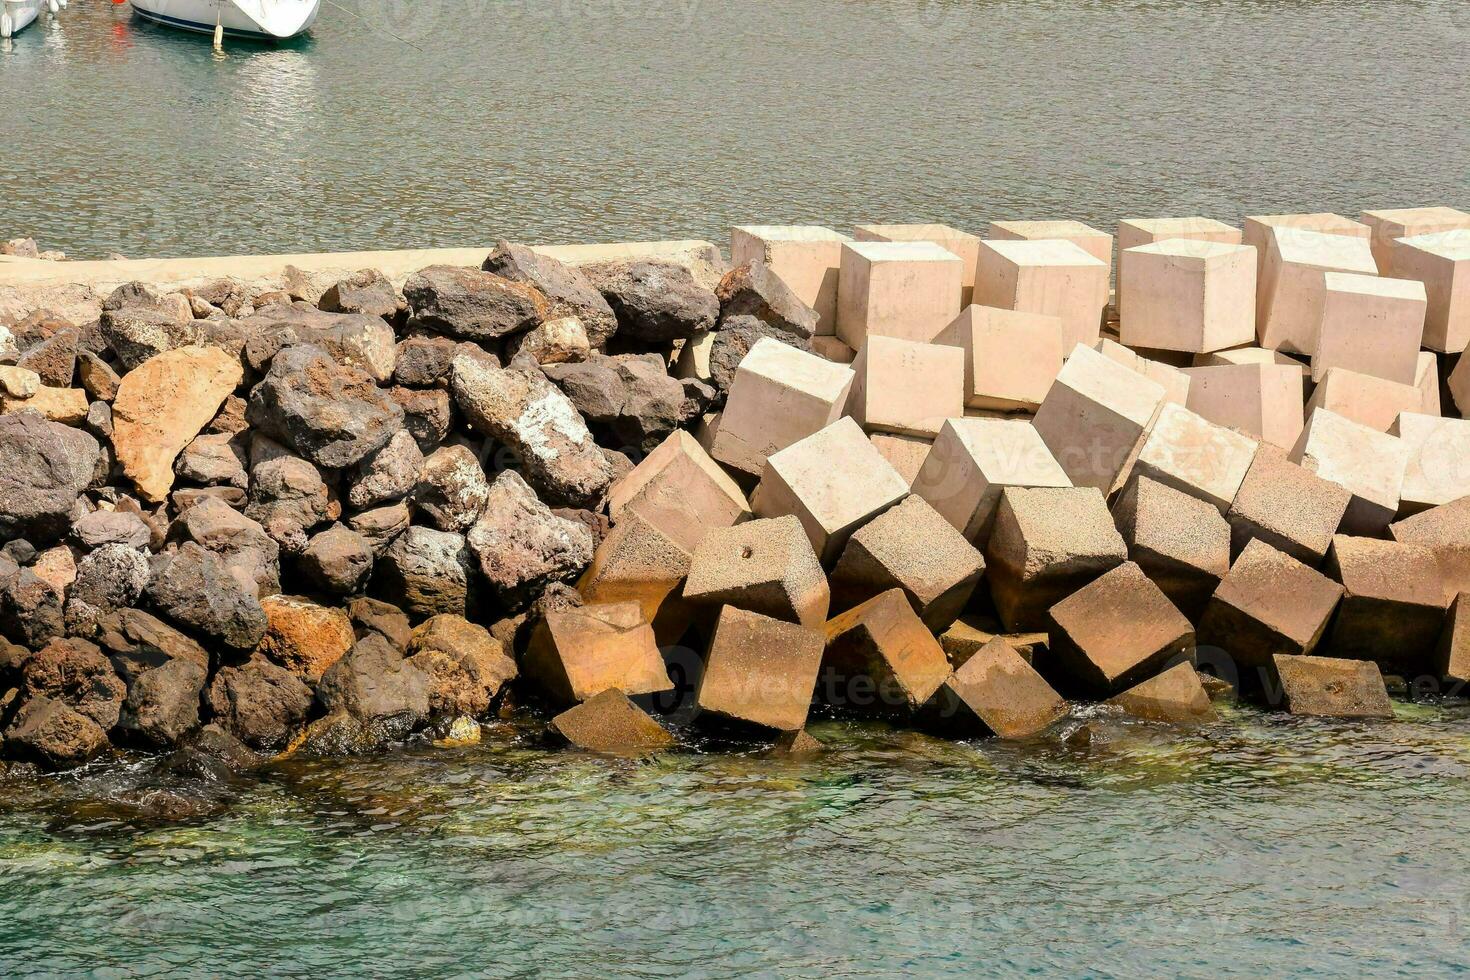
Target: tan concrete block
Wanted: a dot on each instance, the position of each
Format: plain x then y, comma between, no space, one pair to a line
909,547
1189,296
967,635
1393,603
611,724
1390,224
681,490
1098,244
1114,632
1370,325
760,671
905,453
1181,542
1258,230
1176,697
780,396
1444,530
1050,277
834,481
1426,379
693,359
996,692
805,257
1329,687
833,350
973,461
1264,401
1095,416
1010,357
1194,455
1452,658
1047,544
1370,401
1368,463
1287,506
1174,381
909,290
1442,263
575,654
1438,467
959,243
1250,355
1290,288
764,566
639,562
906,387
1133,232
881,659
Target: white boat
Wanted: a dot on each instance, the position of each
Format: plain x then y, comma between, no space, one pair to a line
17,15
269,20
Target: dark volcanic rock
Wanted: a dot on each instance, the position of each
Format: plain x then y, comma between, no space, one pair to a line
353,340
522,546
452,489
44,467
337,561
388,475
375,684
470,304
382,618
137,642
332,415
213,458
654,301
568,290
381,525
753,290
54,359
194,589
427,414
466,666
631,394
424,572
103,527
31,609
250,554
423,362
737,335
260,703
110,578
366,291
163,703
54,735
289,498
76,673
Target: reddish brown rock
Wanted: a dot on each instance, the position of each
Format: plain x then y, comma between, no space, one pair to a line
467,667
611,724
996,692
1331,688
881,658
575,654
760,671
304,637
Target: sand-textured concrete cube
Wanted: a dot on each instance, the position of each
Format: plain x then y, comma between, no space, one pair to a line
611,724
1180,541
1251,355
760,672
1442,263
640,562
968,634
1444,530
909,547
1291,285
906,453
1174,380
1098,244
1189,296
1329,687
1010,357
1048,543
1133,232
577,653
1176,697
909,290
1391,224
1370,325
832,349
1287,506
1095,416
906,387
805,257
1426,379
764,566
780,395
1113,633
1268,604
833,481
1259,230
1368,463
1192,454
959,243
1393,603
1264,401
1363,398
881,658
1051,277
996,692
1437,469
679,489
973,460
1452,657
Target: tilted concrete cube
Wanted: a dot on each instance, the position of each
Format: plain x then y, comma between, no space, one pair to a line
1133,232
760,672
1329,687
1174,380
881,659
1442,263
640,562
832,349
1052,277
973,460
681,490
1251,355
1366,400
996,692
1390,224
959,243
805,257
1189,296
1437,470
833,481
1095,416
1098,244
1452,657
1194,455
1444,530
909,290
969,634
1291,285
764,566
1393,603
1368,463
1181,542
1259,230
1176,696
1287,506
1370,325
611,724
780,395
1010,357
1426,379
1113,633
905,453
909,547
1047,544
575,654
906,387
1264,401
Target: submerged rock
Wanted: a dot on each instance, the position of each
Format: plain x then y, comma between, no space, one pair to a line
375,684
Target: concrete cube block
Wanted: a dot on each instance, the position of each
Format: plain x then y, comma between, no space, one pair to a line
1189,296
575,654
909,290
1095,416
967,635
909,547
1176,697
693,359
763,566
805,257
1010,357
1290,289
1368,400
1438,466
1370,325
1133,232
1048,543
1251,355
881,658
1050,277
834,481
1391,224
611,724
760,672
959,243
1287,506
1329,687
1264,401
1174,381
1368,463
1442,263
905,453
1444,530
1452,657
1114,632
973,460
679,489
780,395
832,349
996,692
640,562
1194,455
1393,603
1268,604
1426,379
1180,541
906,387
1098,244
1259,230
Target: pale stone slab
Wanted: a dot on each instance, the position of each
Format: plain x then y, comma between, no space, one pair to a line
996,692
693,360
1259,229
1098,244
1438,468
1052,277
1445,530
1290,289
1390,224
681,490
909,290
881,658
1331,687
1367,400
1176,697
1250,355
906,453
1442,263
1370,325
640,562
805,257
1189,296
1368,463
1194,455
576,654
1175,381
1011,357
1263,401
1287,506
906,387
961,243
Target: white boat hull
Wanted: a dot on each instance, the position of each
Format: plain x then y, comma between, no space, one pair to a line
259,19
17,15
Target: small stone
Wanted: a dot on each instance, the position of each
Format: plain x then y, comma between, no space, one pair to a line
380,526
213,458
427,415
559,341
304,637
611,724
654,301
18,382
367,292
103,527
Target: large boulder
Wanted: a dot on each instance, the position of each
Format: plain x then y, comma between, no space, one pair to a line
452,488
214,459
336,561
54,359
470,304
193,588
352,339
102,527
751,289
305,637
249,553
162,704
375,685
138,323
32,609
289,498
137,642
77,674
260,703
522,546
44,467
569,292
654,301
466,666
427,414
425,572
54,735
332,415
